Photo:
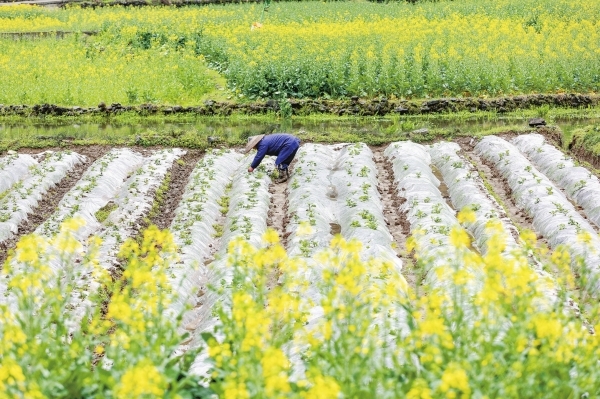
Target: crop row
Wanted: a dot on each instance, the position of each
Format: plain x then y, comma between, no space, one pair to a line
580,185
552,213
248,201
109,201
196,221
32,180
349,205
430,216
467,191
333,189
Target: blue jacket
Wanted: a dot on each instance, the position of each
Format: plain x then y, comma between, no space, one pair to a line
280,144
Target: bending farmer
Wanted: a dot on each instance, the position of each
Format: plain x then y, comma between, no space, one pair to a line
284,146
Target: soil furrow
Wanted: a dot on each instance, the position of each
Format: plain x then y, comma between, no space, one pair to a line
396,221
180,173
49,202
278,217
499,188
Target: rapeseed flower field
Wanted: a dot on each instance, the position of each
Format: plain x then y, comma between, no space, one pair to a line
374,337
161,54
461,301
219,305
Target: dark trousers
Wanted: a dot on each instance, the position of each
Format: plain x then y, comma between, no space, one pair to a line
288,160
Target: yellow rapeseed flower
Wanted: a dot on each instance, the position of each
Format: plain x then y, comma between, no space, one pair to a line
271,236
141,380
323,388
459,238
455,377
466,216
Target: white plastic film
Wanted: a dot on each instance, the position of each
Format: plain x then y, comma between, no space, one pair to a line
24,197
133,201
431,218
552,213
247,220
311,200
581,186
13,168
360,208
193,225
97,186
466,189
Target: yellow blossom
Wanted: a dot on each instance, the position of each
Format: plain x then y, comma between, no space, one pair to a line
466,216
141,380
459,238
271,236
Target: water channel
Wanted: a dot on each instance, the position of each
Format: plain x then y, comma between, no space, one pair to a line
235,128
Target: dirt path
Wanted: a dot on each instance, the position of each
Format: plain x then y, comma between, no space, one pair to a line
180,173
396,222
278,216
49,202
278,219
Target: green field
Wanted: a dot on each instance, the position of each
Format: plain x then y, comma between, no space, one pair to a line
440,248
303,50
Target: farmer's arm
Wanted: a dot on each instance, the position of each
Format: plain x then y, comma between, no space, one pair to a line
261,151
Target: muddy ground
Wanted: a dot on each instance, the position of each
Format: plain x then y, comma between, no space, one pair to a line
395,219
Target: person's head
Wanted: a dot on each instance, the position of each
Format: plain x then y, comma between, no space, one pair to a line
253,141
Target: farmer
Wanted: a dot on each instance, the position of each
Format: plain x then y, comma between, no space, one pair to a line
284,146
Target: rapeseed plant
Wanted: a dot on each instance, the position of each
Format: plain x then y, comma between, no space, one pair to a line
359,330
125,349
465,48
329,326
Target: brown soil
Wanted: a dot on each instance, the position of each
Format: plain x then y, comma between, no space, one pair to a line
395,219
49,202
576,150
586,157
553,135
500,189
442,187
277,218
180,173
355,105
